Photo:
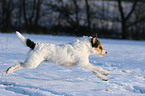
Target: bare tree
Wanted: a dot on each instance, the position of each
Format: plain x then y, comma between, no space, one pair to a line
6,15
88,14
76,12
125,18
75,17
31,13
138,26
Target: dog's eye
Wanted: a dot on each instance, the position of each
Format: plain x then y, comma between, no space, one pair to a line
100,47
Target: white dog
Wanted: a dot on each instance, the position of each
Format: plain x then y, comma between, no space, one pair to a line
68,55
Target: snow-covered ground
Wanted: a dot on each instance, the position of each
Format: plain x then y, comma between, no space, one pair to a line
125,60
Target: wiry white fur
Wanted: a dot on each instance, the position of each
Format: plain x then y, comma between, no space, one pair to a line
22,38
68,55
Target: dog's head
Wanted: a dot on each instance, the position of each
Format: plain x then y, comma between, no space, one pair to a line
97,47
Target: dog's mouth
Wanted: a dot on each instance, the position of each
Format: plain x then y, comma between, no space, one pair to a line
102,54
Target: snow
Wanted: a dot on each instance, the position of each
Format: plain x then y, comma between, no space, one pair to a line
125,60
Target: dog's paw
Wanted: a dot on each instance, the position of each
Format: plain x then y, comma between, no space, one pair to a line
106,73
105,79
8,70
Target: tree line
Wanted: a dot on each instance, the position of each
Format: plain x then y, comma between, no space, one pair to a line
124,19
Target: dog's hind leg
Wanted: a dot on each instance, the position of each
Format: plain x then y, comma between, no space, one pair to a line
14,68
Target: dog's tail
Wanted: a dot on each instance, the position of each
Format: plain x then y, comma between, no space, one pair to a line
26,41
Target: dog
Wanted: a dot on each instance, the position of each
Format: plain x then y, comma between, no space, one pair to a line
71,54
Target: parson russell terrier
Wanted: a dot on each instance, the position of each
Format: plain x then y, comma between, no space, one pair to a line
68,55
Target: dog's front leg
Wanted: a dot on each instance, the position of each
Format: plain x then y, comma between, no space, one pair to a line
90,67
101,70
95,68
100,76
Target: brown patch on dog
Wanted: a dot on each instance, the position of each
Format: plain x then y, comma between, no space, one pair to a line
95,42
99,48
97,45
45,60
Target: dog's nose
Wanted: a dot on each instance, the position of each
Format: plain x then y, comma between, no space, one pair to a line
106,52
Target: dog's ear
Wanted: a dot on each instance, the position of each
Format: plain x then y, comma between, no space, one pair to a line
94,39
95,42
